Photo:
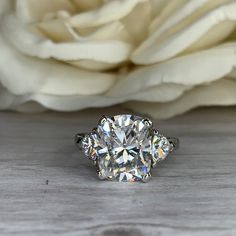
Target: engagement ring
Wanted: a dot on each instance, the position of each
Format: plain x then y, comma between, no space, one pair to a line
125,148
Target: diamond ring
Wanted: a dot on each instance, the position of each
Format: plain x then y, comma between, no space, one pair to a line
125,148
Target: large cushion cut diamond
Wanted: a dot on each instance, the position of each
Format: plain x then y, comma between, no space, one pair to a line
125,147
122,147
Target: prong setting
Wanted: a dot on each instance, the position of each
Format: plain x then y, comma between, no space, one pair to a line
102,120
146,178
78,140
100,176
94,130
148,122
155,132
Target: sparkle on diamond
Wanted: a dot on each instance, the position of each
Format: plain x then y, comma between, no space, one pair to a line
124,148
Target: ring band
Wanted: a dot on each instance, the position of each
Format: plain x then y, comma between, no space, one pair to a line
125,148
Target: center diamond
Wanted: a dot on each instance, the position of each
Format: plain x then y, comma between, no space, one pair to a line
122,148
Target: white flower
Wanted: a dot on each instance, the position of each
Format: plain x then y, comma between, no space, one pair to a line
154,56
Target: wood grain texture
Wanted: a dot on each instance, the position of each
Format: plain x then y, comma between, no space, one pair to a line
48,188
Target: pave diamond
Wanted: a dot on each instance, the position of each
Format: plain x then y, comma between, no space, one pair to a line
125,148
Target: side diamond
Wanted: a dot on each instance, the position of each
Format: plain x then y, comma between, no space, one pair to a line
87,145
94,147
160,148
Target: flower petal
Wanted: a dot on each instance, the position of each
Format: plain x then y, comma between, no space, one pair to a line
87,5
115,31
183,12
28,75
93,65
110,11
141,14
162,93
108,51
206,30
221,93
197,68
72,103
168,11
35,10
60,31
157,6
56,30
77,82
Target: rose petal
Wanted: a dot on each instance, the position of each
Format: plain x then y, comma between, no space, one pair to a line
78,82
186,15
218,93
115,30
60,31
87,5
197,68
214,36
169,10
110,51
156,49
111,31
183,12
35,10
157,6
72,103
93,65
161,93
28,75
141,14
108,12
56,30
221,93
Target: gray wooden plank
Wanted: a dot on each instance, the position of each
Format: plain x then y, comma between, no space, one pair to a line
47,187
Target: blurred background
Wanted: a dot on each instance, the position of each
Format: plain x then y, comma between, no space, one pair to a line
157,57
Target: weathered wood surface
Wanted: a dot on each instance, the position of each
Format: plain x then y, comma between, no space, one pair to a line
48,188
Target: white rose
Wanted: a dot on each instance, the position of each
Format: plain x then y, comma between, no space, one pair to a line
154,56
